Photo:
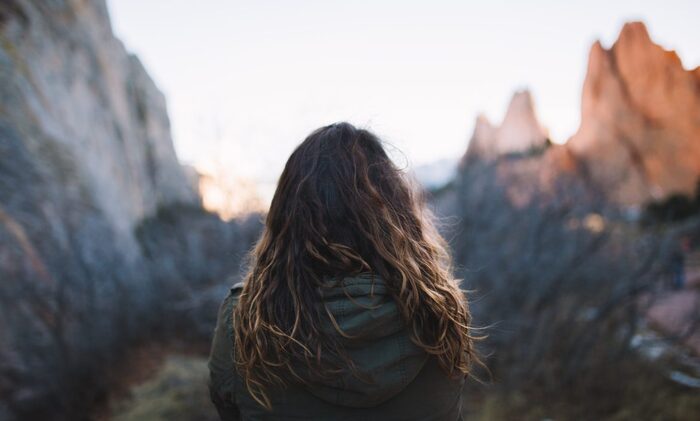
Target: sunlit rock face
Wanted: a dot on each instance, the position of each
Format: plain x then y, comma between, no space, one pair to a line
82,115
639,138
640,120
526,164
519,132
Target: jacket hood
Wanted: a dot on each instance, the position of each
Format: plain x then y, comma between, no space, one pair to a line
376,340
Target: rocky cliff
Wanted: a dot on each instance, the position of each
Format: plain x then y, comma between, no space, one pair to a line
525,163
92,242
83,116
640,120
639,137
520,131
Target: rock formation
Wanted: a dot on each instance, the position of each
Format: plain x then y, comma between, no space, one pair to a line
83,116
639,138
640,120
86,159
526,163
519,132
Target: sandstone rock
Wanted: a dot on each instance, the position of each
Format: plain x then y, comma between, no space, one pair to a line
640,120
525,163
519,132
639,138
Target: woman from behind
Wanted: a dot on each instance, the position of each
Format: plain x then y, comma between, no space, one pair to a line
349,309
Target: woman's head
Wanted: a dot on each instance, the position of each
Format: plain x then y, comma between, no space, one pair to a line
336,195
342,208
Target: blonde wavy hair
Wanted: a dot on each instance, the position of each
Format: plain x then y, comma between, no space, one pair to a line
342,208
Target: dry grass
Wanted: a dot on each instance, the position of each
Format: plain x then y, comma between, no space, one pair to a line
178,391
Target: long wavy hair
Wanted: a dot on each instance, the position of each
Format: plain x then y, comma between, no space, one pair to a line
343,208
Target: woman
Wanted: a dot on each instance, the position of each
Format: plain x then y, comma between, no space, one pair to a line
349,309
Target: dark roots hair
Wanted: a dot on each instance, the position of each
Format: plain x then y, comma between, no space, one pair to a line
343,208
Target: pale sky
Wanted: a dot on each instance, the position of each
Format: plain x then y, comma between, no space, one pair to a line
246,81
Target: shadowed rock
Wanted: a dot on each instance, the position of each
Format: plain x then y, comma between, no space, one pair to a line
85,114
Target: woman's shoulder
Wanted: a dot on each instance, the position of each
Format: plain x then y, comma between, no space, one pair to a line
225,316
222,381
235,291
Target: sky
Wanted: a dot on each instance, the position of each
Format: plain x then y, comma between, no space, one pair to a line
246,81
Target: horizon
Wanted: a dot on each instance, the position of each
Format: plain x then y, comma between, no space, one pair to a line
245,83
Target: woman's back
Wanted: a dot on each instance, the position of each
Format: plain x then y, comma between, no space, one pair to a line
395,378
349,308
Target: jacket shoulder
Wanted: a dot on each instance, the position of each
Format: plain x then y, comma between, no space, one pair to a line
236,289
222,380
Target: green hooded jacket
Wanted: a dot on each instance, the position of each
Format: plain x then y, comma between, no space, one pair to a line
398,380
